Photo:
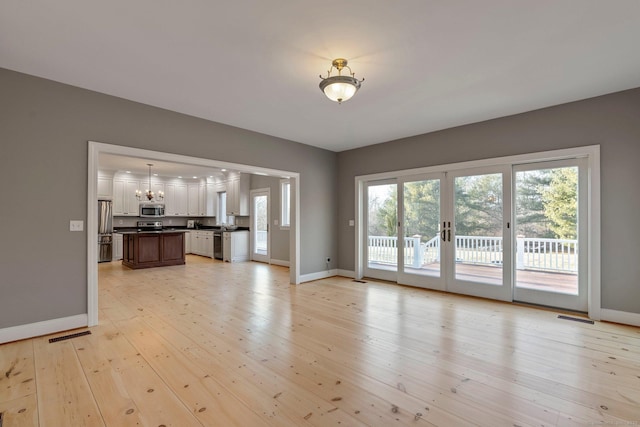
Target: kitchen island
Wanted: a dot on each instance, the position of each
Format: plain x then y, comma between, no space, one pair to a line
145,249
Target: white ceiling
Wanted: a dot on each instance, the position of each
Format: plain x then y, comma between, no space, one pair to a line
114,163
427,64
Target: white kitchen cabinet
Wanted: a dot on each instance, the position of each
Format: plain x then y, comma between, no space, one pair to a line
235,246
124,197
238,194
105,188
157,188
202,243
207,197
117,246
193,199
175,199
187,242
181,199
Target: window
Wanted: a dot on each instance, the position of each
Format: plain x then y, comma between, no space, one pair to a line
285,203
221,216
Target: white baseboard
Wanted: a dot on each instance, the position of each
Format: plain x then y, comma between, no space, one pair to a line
347,273
15,333
319,275
623,317
281,262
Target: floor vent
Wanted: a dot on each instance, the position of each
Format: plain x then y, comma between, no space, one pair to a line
359,281
576,319
67,337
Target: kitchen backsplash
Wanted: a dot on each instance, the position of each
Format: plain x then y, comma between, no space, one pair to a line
131,221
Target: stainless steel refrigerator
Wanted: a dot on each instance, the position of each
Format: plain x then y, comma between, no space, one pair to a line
105,230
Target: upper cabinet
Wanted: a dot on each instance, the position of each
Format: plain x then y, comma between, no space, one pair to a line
238,194
207,198
181,197
193,199
125,202
105,187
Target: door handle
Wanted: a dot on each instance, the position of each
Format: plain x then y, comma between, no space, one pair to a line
449,235
444,239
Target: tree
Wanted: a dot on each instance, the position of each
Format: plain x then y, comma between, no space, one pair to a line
478,206
531,219
422,208
560,201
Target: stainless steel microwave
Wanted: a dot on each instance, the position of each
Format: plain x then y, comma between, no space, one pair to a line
151,210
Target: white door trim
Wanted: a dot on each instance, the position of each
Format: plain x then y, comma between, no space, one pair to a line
591,152
97,148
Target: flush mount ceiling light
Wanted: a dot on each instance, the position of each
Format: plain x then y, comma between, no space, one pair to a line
149,194
340,88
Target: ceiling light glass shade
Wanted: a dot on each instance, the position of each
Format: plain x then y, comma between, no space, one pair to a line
339,88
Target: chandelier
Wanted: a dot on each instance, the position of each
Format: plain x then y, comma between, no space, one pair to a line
340,88
148,194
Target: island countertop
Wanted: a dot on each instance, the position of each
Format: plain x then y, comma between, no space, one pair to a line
139,231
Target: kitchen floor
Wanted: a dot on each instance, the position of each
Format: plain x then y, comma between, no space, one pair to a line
213,344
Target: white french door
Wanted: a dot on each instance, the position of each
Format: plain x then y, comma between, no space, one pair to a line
510,232
421,259
260,218
478,232
381,230
551,234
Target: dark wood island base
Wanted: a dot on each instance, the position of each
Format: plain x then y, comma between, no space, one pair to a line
145,250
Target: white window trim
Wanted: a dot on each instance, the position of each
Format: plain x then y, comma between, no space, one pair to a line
284,226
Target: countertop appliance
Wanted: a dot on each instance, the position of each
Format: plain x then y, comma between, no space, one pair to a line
105,230
151,210
149,225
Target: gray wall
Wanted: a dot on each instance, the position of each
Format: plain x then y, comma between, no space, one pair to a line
279,237
44,129
612,121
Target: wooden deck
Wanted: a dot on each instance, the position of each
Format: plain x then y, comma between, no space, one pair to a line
218,344
529,279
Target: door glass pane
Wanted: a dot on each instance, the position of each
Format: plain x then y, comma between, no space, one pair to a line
260,224
421,227
382,230
547,229
477,228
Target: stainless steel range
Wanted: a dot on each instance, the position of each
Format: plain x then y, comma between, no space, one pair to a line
149,225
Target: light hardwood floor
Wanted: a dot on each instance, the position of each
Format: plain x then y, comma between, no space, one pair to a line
218,344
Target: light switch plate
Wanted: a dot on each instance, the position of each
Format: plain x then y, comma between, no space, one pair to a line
275,222
351,223
76,225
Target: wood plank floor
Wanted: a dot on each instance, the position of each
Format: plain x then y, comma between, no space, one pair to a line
218,344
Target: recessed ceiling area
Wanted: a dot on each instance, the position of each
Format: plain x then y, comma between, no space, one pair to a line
255,64
138,166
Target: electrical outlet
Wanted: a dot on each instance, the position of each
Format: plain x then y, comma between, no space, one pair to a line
170,222
120,222
76,225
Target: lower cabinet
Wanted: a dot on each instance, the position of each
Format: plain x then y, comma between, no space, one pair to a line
202,243
144,250
235,246
117,247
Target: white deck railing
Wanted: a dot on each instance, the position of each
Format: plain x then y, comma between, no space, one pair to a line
557,255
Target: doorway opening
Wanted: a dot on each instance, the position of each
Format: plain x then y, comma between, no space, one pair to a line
97,148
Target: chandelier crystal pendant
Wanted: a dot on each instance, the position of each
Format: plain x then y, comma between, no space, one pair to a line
340,88
148,194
